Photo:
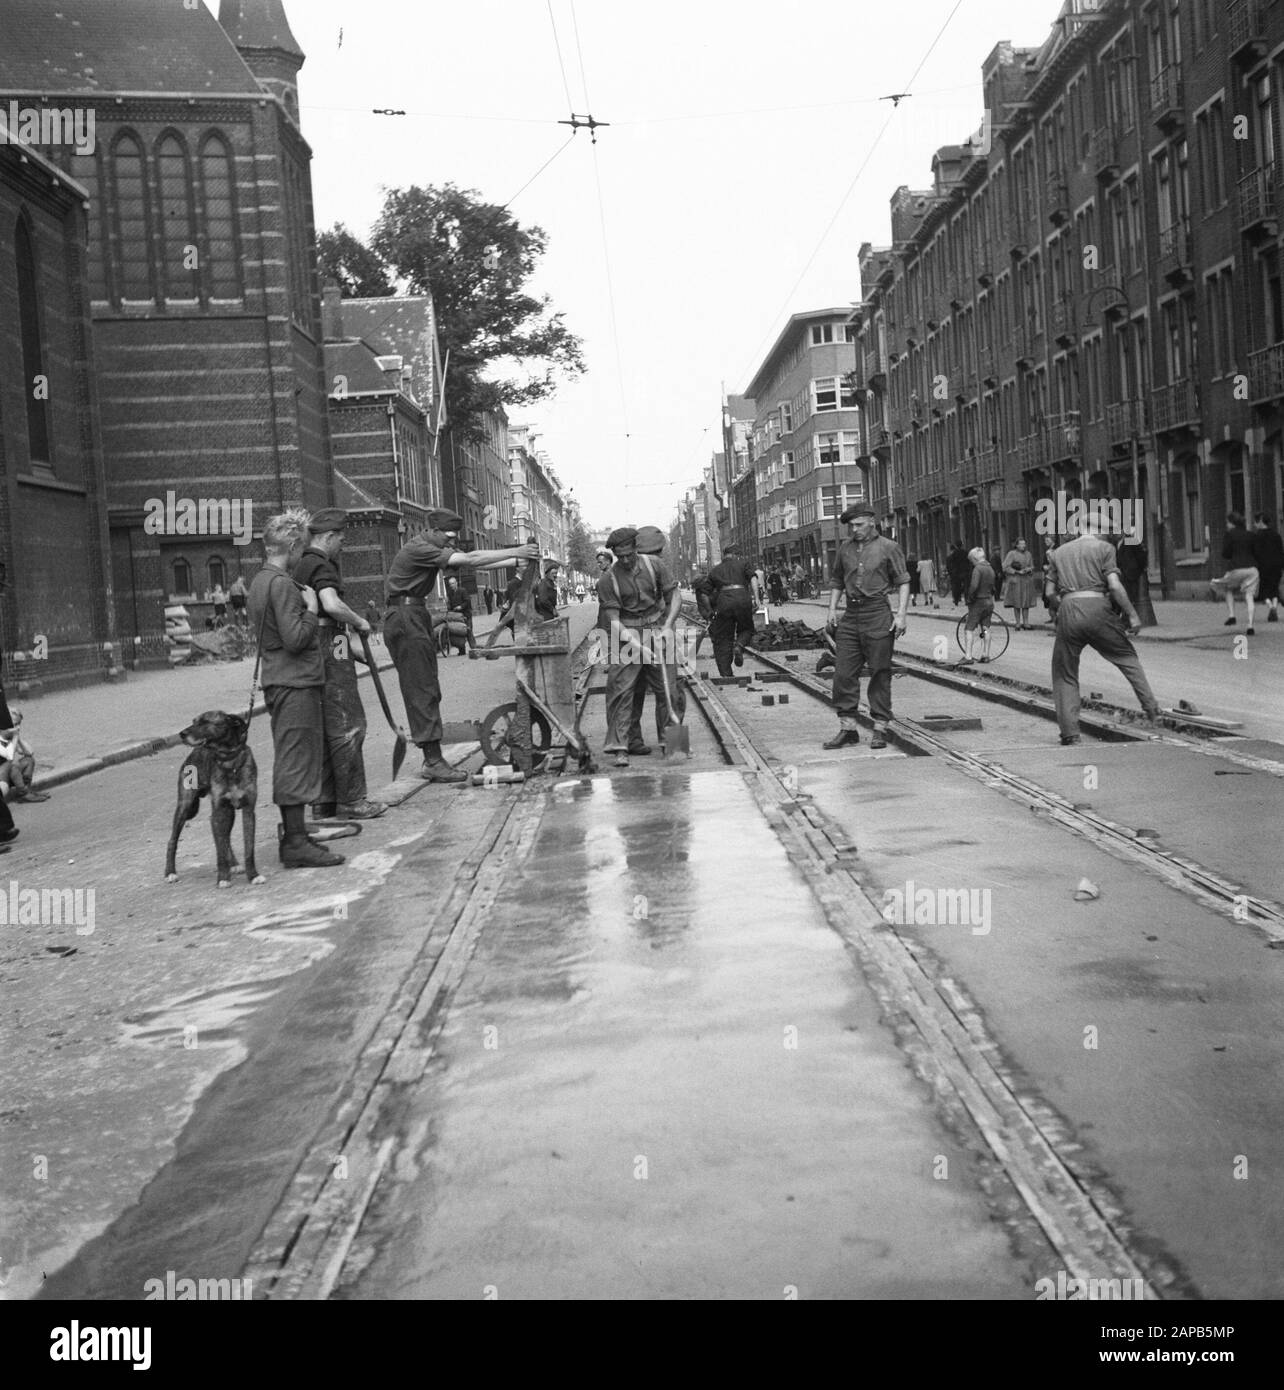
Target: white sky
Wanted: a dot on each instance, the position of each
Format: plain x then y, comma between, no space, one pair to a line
710,217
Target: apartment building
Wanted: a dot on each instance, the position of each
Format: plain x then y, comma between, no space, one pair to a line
806,440
1088,297
538,498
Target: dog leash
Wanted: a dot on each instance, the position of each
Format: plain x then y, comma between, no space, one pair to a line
258,662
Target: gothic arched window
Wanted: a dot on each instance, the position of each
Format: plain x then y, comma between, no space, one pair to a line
133,249
177,221
35,384
218,190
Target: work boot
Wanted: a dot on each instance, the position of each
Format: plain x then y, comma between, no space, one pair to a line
639,750
1230,622
324,810
843,738
1069,739
739,655
298,852
1273,616
880,737
439,770
364,809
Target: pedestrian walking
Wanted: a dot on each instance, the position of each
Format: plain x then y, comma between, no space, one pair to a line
868,568
488,595
1268,551
285,615
776,582
1242,574
958,571
1083,577
459,617
995,560
980,607
8,728
639,604
1020,587
408,626
927,581
916,584
732,594
344,791
1134,565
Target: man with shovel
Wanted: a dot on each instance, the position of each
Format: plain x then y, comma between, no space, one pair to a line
639,605
407,628
343,786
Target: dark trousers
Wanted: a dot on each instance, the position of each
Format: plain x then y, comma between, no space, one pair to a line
408,632
957,583
733,622
865,639
298,743
6,722
344,777
1092,622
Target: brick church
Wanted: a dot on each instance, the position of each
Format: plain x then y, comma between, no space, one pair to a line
206,375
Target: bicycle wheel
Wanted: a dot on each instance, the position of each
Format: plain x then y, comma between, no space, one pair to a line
1000,635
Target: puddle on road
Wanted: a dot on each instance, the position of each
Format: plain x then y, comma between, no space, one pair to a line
211,1018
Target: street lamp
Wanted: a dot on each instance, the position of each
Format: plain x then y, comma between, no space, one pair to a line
1145,607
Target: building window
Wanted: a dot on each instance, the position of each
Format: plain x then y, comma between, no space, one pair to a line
825,394
786,418
133,223
177,222
1192,506
218,185
821,333
35,383
218,573
182,578
84,169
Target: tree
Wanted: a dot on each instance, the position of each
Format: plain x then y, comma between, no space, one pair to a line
360,273
475,260
579,548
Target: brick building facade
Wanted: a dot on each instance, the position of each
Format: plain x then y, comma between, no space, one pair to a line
201,257
57,615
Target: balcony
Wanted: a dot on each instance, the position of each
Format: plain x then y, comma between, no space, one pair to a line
1029,452
878,438
1124,419
1175,253
1257,217
981,466
1166,100
1173,407
1246,31
882,507
1064,439
1105,153
1056,198
1062,321
875,368
1266,375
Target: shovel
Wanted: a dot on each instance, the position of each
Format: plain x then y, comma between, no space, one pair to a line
399,749
677,737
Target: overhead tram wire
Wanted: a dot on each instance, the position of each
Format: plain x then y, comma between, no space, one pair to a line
557,43
539,171
851,187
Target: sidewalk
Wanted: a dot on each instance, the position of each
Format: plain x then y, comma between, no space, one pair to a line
1177,620
82,731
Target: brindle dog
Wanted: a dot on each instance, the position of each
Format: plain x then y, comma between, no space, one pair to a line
221,767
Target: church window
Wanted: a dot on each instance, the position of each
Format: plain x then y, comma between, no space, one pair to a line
34,382
223,267
178,224
133,252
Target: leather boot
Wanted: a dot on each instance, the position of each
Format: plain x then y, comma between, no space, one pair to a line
298,852
843,738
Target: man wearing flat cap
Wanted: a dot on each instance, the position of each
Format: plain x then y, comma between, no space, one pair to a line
639,601
343,784
546,592
868,569
407,628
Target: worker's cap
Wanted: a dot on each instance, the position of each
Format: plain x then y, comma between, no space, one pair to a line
860,509
600,551
551,565
331,519
623,535
445,521
650,540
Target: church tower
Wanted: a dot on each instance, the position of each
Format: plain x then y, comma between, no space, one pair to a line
261,33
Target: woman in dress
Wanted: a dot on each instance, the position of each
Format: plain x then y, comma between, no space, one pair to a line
1020,589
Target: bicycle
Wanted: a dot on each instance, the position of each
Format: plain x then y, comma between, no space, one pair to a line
995,636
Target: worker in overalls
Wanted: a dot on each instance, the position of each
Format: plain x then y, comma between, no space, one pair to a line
868,569
639,604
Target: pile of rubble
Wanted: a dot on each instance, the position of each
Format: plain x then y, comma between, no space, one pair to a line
782,636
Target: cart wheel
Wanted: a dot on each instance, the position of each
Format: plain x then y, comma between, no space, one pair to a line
494,737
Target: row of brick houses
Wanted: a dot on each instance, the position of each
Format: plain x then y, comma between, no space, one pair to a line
1087,300
164,346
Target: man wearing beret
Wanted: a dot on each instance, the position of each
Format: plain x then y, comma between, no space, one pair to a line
639,604
407,628
343,786
868,568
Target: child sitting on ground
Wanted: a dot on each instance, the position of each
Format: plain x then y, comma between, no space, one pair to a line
17,766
